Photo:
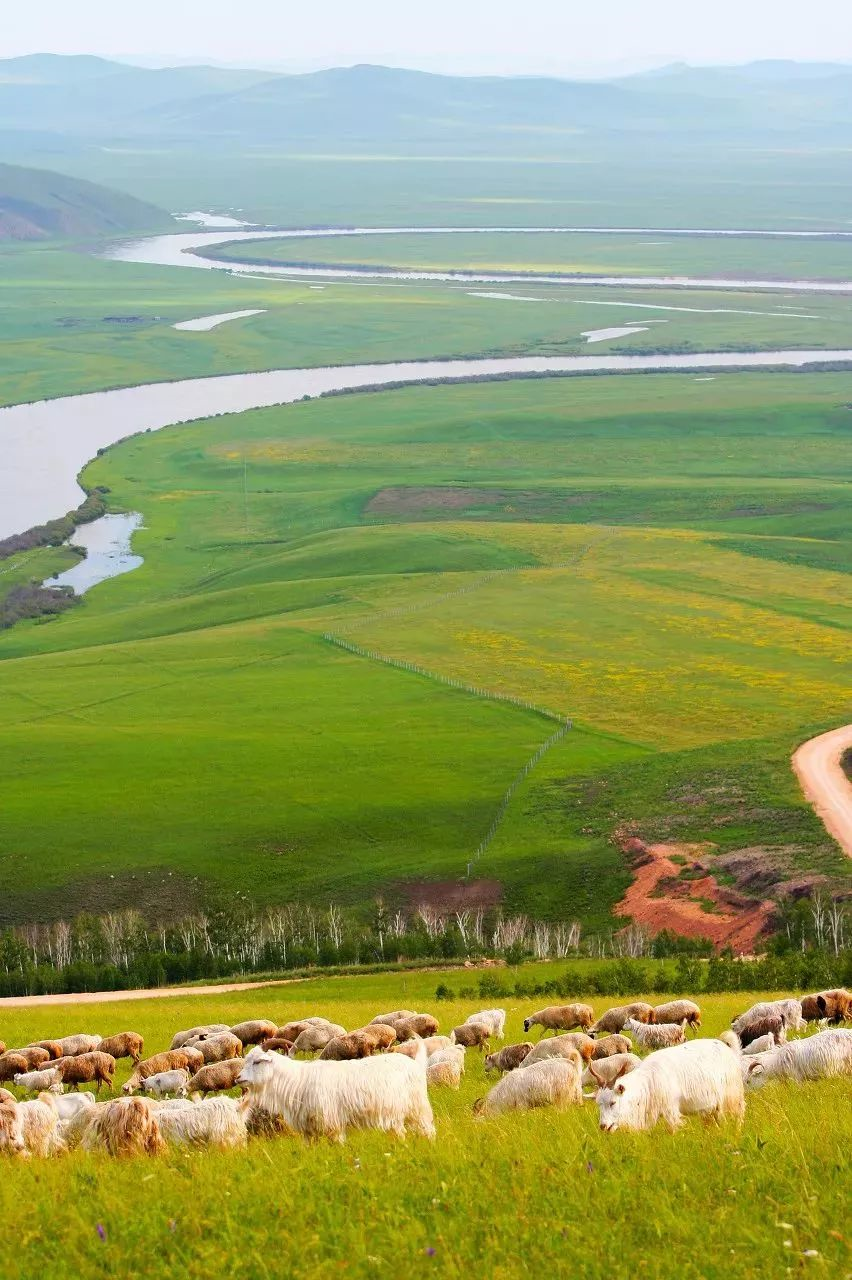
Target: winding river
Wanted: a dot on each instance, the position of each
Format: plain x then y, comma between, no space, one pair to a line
186,250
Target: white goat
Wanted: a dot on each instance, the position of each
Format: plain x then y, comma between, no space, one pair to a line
829,1053
166,1082
39,1081
660,1035
181,1038
554,1082
40,1126
215,1122
702,1077
790,1010
494,1019
386,1092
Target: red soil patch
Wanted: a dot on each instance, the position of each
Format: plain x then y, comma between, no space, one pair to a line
735,922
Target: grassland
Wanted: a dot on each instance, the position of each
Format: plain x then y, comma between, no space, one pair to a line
542,1191
673,559
623,254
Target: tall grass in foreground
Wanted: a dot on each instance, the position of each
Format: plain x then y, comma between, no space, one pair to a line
541,1190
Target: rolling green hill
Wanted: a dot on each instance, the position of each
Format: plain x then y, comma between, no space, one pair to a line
36,204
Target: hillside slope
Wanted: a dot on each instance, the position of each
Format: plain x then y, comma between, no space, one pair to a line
36,204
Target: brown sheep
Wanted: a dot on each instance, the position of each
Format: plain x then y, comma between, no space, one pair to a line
12,1064
614,1019
381,1035
216,1078
835,1006
682,1011
53,1047
2,1047
87,1068
561,1017
473,1035
572,1042
312,1039
292,1030
508,1058
609,1045
772,1025
125,1127
277,1044
255,1031
389,1019
170,1060
357,1044
421,1024
182,1038
33,1055
124,1044
218,1047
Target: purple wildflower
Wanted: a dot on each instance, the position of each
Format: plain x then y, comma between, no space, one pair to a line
101,1230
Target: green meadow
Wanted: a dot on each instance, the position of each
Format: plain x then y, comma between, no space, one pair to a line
661,559
543,1190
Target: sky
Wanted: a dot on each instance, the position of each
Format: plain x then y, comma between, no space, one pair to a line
552,37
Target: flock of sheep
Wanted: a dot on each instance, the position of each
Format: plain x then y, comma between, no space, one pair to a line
378,1076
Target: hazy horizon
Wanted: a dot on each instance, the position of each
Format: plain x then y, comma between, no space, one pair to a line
557,38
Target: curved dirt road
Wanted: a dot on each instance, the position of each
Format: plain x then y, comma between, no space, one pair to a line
826,786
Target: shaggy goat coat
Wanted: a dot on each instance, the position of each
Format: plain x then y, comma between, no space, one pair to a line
655,1036
790,1011
818,1058
216,1122
702,1077
560,1047
326,1099
493,1018
552,1083
125,1127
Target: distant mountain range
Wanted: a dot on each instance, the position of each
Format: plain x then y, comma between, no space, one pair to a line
379,107
36,205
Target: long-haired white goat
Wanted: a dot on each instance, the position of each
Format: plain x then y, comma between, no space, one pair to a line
702,1077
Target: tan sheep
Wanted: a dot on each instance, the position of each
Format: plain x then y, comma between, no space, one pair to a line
607,1046
255,1031
561,1047
86,1068
682,1011
356,1044
53,1047
421,1024
34,1057
218,1047
170,1060
508,1058
125,1127
124,1044
473,1035
216,1078
661,1035
554,1082
313,1038
614,1019
445,1069
182,1038
561,1017
390,1018
2,1047
13,1064
604,1073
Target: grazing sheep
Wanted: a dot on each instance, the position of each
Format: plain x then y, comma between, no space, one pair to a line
217,1048
357,1044
11,1134
561,1017
216,1122
181,1038
656,1035
69,1105
560,1047
434,1043
313,1039
53,1047
761,1045
701,1077
38,1081
614,1019
834,1006
473,1035
682,1011
422,1025
291,1030
125,1044
387,1092
125,1127
381,1036
216,1078
39,1123
789,1010
167,1082
170,1060
12,1064
610,1046
509,1058
87,1068
254,1031
493,1018
770,1025
390,1018
444,1069
34,1057
604,1073
818,1058
552,1083
277,1044
410,1048
73,1046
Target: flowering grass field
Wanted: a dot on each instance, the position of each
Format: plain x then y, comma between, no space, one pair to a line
541,1190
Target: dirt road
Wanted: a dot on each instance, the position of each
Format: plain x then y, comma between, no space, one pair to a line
825,784
155,993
